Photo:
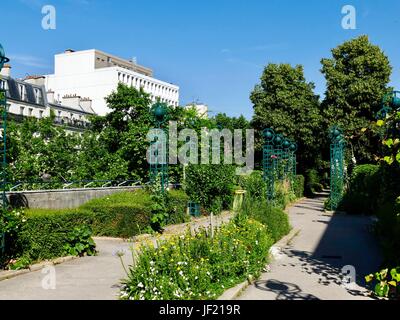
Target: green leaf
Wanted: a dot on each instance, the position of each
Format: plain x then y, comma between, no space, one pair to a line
369,277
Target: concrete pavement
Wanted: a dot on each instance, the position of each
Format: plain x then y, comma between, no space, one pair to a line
88,278
310,265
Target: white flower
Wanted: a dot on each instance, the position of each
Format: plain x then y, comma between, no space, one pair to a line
140,285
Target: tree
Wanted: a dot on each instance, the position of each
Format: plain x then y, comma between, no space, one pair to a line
357,77
123,130
285,102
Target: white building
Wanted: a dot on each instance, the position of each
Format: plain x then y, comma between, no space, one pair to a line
95,74
28,98
201,109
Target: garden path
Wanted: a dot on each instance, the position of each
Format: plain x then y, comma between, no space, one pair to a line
309,266
89,278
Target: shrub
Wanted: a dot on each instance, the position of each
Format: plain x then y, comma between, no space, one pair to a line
199,267
254,185
80,242
211,185
176,205
275,219
312,182
45,232
363,190
298,186
123,214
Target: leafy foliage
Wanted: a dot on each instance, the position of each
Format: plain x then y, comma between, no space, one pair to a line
385,286
285,102
211,185
80,242
357,76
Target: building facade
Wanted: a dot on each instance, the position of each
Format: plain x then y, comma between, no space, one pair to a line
95,74
28,98
201,109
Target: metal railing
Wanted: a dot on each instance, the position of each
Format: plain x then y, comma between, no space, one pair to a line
65,185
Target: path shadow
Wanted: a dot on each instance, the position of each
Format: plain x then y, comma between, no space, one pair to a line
284,290
346,242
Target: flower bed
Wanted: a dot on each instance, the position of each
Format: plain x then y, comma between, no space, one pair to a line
199,266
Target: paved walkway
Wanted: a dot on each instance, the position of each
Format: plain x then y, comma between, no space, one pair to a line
309,266
88,278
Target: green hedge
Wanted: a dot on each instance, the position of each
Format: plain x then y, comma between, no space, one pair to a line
298,186
45,232
375,189
276,219
364,186
124,214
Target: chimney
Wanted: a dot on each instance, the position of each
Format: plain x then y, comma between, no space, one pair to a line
71,100
50,97
86,104
6,71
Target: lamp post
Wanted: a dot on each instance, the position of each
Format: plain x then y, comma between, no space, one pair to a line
159,162
3,106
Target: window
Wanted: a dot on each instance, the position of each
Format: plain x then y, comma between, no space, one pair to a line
3,85
59,113
30,110
38,96
21,110
22,92
40,114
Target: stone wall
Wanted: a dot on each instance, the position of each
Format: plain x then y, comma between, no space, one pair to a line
60,199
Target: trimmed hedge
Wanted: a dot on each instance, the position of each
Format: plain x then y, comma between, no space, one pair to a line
124,214
45,232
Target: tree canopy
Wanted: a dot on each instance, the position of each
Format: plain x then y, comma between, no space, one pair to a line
285,102
357,76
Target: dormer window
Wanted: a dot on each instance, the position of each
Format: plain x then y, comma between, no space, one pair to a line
38,96
22,92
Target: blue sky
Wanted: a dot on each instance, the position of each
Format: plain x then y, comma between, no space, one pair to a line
215,50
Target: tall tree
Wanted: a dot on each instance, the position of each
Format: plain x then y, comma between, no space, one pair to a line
285,102
357,77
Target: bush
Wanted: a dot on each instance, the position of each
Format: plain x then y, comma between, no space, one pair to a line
123,214
363,191
298,186
199,267
254,185
176,205
275,219
313,183
45,232
211,185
